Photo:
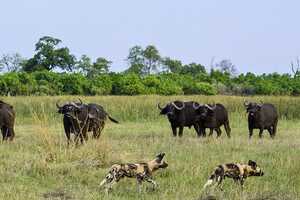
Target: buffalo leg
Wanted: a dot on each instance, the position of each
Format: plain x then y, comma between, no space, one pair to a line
219,132
197,129
4,132
250,132
261,130
11,133
174,130
227,129
211,131
96,133
68,134
274,129
180,131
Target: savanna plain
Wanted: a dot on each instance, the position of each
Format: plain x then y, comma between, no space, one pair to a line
38,164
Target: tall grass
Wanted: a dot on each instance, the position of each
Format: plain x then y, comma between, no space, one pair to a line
144,108
40,165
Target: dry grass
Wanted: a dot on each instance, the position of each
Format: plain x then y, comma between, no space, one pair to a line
39,165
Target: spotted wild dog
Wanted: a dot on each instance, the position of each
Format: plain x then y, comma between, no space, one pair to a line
238,172
140,171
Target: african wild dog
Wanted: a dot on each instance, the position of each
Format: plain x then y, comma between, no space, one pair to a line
238,172
140,171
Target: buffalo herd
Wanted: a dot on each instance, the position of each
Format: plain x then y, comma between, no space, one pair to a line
201,116
80,118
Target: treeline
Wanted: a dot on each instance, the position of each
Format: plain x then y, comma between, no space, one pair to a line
53,83
53,70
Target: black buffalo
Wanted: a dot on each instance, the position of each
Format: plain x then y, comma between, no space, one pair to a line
81,118
180,114
7,121
212,117
261,116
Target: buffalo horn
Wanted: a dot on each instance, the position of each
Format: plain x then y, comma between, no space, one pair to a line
196,105
178,108
209,107
57,105
246,103
159,107
74,104
80,101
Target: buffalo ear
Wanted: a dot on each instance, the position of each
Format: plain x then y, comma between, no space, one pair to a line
252,163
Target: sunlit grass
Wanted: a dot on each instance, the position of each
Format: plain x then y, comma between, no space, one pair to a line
40,165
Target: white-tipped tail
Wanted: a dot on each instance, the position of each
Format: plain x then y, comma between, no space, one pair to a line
103,182
208,183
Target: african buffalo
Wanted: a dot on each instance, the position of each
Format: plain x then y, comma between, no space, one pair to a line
212,117
180,114
81,118
261,116
7,121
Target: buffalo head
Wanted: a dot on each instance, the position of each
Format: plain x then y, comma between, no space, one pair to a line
252,108
204,110
69,108
171,108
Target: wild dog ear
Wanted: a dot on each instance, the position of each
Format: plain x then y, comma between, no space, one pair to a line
160,156
252,163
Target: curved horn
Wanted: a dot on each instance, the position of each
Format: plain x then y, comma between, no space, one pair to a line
57,105
195,106
209,107
246,103
178,108
159,107
74,104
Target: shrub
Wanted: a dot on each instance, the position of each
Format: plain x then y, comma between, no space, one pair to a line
100,85
128,84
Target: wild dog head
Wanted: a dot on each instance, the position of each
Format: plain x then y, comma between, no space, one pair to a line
255,170
158,162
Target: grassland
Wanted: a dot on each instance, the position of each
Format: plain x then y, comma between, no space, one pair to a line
39,165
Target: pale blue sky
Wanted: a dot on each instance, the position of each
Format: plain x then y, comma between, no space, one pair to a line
257,35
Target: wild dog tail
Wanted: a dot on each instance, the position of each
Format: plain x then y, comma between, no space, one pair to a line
215,176
103,182
210,181
112,119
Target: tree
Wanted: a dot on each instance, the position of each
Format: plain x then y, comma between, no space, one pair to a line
84,64
226,66
11,63
193,69
48,56
171,65
101,66
296,67
135,60
143,61
152,59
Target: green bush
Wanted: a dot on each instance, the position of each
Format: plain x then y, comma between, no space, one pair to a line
100,85
128,84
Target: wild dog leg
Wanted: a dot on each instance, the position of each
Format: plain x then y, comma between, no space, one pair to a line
139,179
150,180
